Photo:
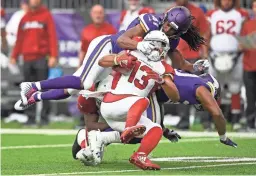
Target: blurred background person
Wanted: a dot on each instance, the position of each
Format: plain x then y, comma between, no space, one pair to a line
13,23
4,46
134,8
97,28
249,61
37,44
200,22
226,60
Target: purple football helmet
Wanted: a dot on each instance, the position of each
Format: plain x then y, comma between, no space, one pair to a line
179,18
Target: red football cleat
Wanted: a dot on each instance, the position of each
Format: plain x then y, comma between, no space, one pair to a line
141,160
131,132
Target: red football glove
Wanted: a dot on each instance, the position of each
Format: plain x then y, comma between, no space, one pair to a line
126,61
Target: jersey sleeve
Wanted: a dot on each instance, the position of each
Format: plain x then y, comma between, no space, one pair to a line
149,22
168,69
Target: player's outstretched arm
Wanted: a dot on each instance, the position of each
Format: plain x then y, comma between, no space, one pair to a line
170,89
210,104
180,63
126,41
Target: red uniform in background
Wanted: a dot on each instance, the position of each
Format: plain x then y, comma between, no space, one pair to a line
200,22
249,59
249,76
92,31
36,36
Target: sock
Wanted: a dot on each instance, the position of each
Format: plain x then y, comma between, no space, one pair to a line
63,82
110,137
81,138
235,104
150,140
135,112
223,137
55,94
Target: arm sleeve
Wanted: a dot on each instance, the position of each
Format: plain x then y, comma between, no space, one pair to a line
18,44
53,42
149,22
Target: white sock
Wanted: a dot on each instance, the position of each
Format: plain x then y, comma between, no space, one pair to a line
39,96
110,137
38,85
223,137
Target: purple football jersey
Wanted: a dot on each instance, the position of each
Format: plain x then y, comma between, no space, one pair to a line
149,22
187,84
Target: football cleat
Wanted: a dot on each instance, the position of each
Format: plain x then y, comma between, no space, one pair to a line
19,105
96,145
140,160
76,147
26,91
86,157
131,132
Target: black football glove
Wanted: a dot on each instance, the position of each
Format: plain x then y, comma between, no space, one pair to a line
171,135
229,142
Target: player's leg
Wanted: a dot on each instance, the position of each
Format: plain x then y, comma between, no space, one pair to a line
234,86
110,114
74,81
151,138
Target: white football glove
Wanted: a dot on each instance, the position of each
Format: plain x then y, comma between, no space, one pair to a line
145,47
201,65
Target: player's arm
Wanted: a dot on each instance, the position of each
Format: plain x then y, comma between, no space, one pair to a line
91,122
170,89
179,62
210,104
123,59
125,40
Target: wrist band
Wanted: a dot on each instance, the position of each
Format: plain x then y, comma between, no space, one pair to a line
115,60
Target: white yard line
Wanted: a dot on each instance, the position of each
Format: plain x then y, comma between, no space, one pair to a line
170,168
205,159
69,145
73,132
36,146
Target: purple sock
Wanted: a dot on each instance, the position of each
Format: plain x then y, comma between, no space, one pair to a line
63,82
55,94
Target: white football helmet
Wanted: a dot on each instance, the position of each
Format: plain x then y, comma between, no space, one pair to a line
161,43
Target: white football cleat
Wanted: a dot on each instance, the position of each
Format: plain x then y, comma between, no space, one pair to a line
26,91
86,157
96,145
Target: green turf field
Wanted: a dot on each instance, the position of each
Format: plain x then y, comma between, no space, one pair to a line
50,154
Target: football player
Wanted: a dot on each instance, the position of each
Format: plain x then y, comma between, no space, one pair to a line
90,73
129,94
226,63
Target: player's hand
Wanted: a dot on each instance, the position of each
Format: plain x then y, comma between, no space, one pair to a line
52,62
13,61
126,61
201,65
155,76
229,142
145,47
171,135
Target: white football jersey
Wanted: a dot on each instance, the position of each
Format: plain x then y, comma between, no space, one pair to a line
224,27
139,81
